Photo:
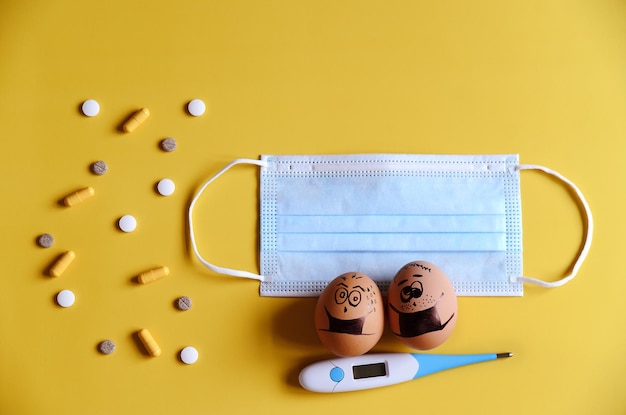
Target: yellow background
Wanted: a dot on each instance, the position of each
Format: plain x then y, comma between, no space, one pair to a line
545,79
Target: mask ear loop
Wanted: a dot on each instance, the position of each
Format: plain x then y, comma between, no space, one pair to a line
588,231
211,266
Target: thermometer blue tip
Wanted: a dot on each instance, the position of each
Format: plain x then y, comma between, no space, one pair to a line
432,363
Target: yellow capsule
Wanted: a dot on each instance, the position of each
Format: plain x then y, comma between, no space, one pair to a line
62,263
136,120
153,274
149,343
78,196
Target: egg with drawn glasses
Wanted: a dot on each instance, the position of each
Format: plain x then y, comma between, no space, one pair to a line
349,315
421,305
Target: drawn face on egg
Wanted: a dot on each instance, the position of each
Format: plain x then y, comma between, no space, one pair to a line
422,305
348,311
354,299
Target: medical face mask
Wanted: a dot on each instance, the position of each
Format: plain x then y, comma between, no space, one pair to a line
322,216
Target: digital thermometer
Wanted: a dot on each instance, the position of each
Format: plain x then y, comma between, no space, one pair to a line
368,371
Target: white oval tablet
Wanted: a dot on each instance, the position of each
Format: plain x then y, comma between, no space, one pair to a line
189,355
65,298
90,108
127,223
166,187
196,107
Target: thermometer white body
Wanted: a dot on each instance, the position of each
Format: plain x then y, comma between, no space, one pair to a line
376,370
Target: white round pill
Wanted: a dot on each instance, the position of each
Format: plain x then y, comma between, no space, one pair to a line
166,187
65,298
196,107
127,223
90,108
189,355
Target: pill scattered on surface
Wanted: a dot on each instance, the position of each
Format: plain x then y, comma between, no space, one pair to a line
65,298
136,120
168,144
60,265
196,107
189,355
127,223
78,196
149,343
153,274
90,108
106,347
183,303
45,240
99,168
166,187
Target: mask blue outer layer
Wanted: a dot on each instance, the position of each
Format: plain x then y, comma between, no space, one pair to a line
322,216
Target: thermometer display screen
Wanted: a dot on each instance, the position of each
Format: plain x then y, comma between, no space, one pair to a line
369,371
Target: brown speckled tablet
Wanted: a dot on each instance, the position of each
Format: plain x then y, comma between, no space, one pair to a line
168,144
45,240
99,168
183,303
106,347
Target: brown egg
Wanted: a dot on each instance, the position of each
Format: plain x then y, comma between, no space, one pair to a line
349,316
422,306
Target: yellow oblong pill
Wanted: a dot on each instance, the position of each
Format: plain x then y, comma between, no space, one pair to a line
153,274
136,120
149,343
78,196
61,264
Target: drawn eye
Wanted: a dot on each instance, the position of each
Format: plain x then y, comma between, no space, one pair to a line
415,290
405,294
355,298
341,295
